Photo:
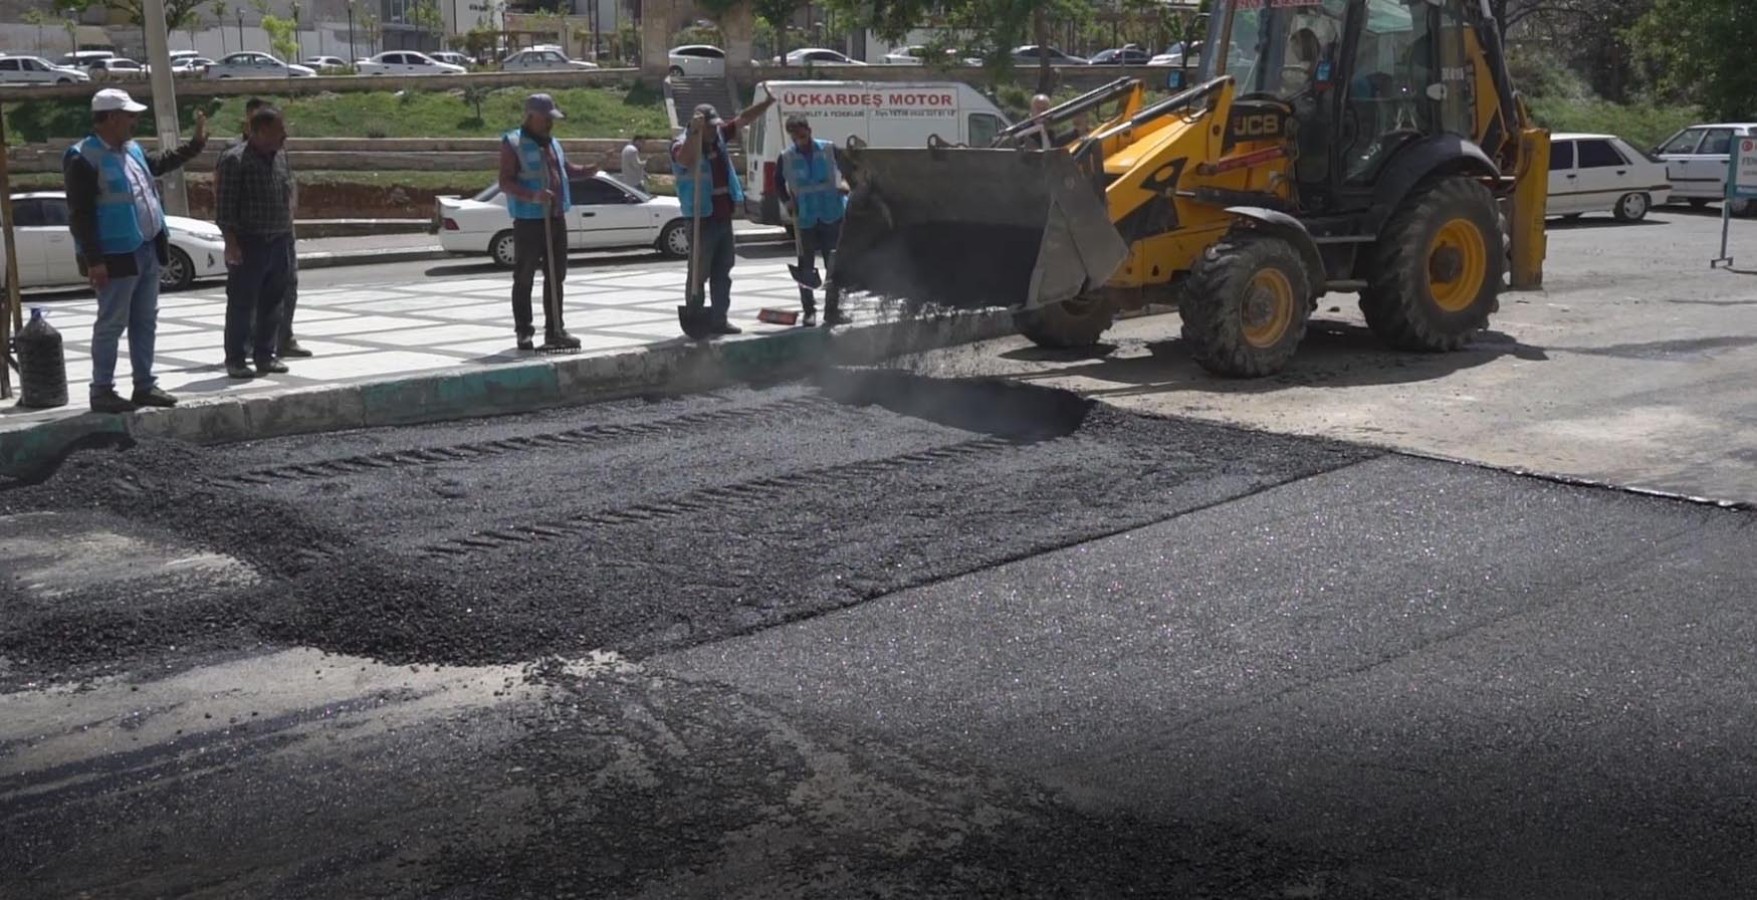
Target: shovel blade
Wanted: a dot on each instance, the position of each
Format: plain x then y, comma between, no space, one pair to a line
806,278
696,320
971,228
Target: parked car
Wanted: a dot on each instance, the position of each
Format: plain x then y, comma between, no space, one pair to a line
252,64
37,70
453,58
190,65
695,60
82,59
1032,55
539,60
115,67
45,247
405,62
1696,161
325,63
819,56
1130,55
1592,173
1173,55
606,215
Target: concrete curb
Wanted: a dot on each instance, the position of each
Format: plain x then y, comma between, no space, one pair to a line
674,367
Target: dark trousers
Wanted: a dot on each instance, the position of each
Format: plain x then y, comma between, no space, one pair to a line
718,252
288,303
255,289
819,240
529,256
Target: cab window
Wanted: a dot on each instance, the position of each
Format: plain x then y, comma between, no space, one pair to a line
983,128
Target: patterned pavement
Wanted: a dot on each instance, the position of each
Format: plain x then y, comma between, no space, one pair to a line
375,331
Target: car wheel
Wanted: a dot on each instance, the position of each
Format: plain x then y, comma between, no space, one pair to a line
178,273
63,81
674,240
1697,202
1632,207
675,72
503,249
1569,217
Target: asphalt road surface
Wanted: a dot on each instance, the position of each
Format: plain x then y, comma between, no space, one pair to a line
867,635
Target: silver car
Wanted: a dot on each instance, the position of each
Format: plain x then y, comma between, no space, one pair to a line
1696,161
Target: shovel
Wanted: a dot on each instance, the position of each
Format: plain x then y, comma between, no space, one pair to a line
693,316
806,278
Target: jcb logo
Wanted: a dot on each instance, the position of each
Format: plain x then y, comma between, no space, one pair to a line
1256,126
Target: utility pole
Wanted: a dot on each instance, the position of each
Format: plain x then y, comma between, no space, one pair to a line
353,54
158,56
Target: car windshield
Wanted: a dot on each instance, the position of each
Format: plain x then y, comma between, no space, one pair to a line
1274,49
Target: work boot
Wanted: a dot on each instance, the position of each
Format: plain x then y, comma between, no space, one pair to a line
526,343
153,396
726,328
292,348
810,319
239,371
835,317
271,367
561,341
111,402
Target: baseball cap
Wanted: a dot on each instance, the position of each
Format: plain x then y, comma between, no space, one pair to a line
112,99
544,104
707,109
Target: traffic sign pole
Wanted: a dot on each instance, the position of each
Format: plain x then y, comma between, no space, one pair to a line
1741,184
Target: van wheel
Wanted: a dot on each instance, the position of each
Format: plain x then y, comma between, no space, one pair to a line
503,249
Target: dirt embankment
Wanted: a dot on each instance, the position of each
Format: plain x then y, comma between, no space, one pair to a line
325,200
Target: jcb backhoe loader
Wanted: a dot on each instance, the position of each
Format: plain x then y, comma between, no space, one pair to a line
1368,146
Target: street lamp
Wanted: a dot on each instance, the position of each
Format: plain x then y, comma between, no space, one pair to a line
352,53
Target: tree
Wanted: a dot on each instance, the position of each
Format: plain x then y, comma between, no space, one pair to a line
177,12
283,36
1700,50
221,8
425,15
474,95
778,13
38,18
995,26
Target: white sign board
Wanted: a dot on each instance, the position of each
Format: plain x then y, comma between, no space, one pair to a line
1742,174
879,103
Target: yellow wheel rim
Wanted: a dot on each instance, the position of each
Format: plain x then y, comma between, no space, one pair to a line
1457,263
1268,308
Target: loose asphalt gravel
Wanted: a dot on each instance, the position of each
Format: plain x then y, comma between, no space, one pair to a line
636,526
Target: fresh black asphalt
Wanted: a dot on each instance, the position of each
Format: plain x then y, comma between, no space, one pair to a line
908,638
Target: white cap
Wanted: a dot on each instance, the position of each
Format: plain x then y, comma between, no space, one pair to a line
110,99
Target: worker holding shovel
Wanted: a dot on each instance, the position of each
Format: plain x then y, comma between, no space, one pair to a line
700,157
809,181
534,177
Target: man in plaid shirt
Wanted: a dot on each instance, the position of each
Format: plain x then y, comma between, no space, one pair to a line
253,197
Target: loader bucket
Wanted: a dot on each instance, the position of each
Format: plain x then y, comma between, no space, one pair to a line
971,228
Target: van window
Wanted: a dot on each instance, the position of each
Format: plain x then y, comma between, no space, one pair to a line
1561,156
983,128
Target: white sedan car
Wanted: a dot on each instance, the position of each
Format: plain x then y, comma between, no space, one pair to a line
1594,173
819,56
37,70
543,60
606,215
696,61
405,62
251,64
45,246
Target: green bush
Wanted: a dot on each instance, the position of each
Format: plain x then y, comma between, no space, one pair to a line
1642,124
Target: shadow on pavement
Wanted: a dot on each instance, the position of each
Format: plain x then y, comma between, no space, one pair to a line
1334,354
1604,220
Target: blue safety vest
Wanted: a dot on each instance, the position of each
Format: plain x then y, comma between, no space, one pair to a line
533,175
686,185
811,180
118,228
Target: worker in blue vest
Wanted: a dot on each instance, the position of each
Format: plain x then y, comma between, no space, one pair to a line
534,175
119,235
809,181
701,156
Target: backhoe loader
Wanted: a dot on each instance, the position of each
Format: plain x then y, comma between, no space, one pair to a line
1366,146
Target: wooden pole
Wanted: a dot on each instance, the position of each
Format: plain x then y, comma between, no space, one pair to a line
11,309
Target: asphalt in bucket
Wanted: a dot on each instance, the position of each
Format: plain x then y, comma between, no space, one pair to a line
639,526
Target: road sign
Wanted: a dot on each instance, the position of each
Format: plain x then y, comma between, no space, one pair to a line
1742,168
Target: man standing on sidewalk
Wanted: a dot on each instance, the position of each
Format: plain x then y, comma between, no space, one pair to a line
633,171
534,175
700,157
253,196
118,226
285,344
808,180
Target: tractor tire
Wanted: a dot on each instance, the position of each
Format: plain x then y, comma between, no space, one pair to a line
1245,305
1067,325
1436,274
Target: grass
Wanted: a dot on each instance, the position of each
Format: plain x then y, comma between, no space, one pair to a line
437,113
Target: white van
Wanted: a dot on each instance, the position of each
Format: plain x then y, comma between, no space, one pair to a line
881,113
